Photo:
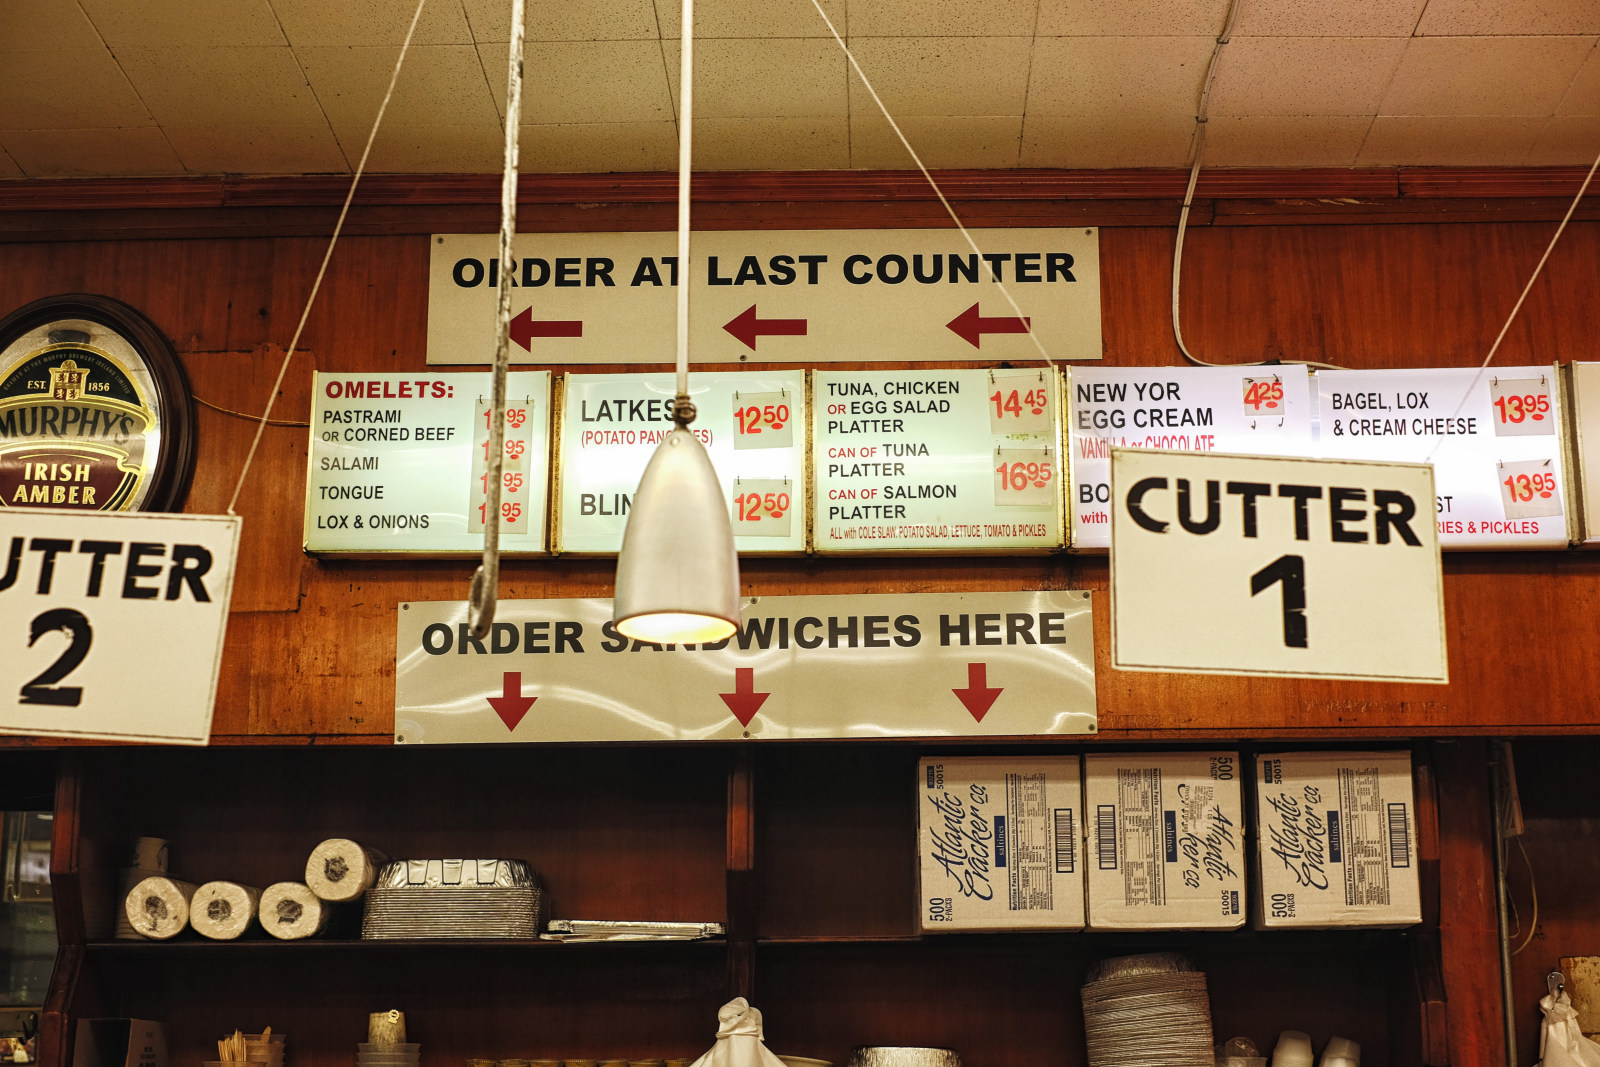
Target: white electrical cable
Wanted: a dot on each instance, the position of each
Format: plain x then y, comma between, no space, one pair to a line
685,155
937,191
483,593
305,314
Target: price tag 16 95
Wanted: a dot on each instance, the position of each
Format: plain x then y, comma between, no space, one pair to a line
1025,477
1521,407
762,507
1528,489
1021,403
763,420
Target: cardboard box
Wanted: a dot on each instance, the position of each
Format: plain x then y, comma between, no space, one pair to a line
1336,840
119,1043
1166,841
999,842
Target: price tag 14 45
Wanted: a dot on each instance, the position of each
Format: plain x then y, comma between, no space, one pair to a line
763,420
1521,407
1528,489
1021,403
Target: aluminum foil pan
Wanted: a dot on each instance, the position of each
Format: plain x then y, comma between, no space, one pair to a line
452,912
596,930
899,1056
456,874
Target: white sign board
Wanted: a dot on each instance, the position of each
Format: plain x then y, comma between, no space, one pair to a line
1255,411
911,665
812,296
1586,416
1294,567
1494,438
399,464
752,423
111,623
936,461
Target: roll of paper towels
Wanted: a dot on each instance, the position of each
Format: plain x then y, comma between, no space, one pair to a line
290,911
158,907
340,869
223,910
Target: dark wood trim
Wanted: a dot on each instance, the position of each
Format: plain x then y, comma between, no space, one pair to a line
741,874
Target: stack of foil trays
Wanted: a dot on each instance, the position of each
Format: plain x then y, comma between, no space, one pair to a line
455,898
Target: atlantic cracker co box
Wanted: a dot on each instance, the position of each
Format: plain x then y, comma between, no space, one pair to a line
1165,840
1336,840
999,843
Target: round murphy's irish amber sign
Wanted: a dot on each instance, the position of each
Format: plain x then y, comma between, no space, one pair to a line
95,410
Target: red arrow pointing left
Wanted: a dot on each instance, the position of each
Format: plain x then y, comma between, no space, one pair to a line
746,327
971,326
525,329
744,701
977,697
511,705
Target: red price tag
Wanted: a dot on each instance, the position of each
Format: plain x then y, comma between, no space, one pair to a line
763,420
763,507
1021,403
1025,477
1263,396
1528,489
1520,407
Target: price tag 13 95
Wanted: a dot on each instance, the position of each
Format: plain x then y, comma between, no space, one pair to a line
1521,407
763,420
762,507
1021,403
1528,488
1025,477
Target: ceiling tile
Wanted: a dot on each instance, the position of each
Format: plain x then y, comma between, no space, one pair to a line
222,86
948,18
257,149
1347,18
34,95
1106,141
1484,75
757,79
440,85
90,153
428,148
1508,17
943,75
946,142
1305,75
599,147
565,20
585,81
1566,141
46,24
742,18
1446,141
195,23
1285,141
1094,18
1583,95
369,22
1111,77
8,166
772,144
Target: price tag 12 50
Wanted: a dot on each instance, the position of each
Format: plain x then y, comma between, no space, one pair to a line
763,420
1521,407
762,507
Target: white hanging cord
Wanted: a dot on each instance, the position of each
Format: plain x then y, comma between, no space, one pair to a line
483,594
937,191
685,154
316,285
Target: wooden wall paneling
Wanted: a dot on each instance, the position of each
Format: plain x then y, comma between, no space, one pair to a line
743,904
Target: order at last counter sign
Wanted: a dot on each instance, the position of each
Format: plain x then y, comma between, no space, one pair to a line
1294,567
111,625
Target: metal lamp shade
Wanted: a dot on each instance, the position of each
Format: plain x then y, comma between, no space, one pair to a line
678,573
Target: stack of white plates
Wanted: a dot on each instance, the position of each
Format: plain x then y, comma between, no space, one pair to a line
452,898
388,1055
1147,1011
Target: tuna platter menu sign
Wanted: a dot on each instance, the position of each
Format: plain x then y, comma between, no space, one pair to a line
936,461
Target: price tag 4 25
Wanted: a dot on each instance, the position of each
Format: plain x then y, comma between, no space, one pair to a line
763,420
1025,477
1521,407
1263,400
762,507
1528,489
1021,403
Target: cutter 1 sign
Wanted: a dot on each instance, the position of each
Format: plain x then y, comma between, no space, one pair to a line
1315,568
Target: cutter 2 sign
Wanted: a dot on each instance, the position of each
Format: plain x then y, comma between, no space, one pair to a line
1297,567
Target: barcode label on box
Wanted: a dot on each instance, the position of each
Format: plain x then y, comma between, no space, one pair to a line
1066,841
1399,837
1106,836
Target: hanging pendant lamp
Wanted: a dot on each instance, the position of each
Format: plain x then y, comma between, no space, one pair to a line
678,573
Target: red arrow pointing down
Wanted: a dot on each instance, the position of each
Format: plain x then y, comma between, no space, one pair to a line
511,705
977,697
744,701
525,329
971,326
746,327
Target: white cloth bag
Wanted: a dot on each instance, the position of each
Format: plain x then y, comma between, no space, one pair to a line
739,1039
1561,1042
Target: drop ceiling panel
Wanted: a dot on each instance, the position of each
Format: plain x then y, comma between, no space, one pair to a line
1450,140
1501,17
257,149
221,86
599,146
438,85
427,148
1285,140
943,141
46,25
772,144
1566,141
783,78
947,18
742,18
1442,76
1115,141
34,95
8,166
943,75
84,153
191,23
1117,77
368,22
565,20
1347,18
584,81
1583,95
1305,75
1094,18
